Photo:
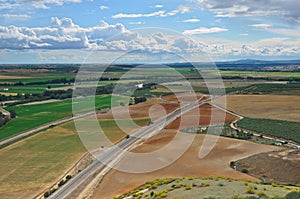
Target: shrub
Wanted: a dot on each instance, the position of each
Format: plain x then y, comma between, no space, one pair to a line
261,193
244,170
204,184
295,194
246,183
250,190
188,187
220,184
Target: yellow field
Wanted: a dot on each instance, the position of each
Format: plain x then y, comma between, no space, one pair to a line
13,77
8,94
31,165
279,107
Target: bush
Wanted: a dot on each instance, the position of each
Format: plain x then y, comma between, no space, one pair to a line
295,194
250,190
245,170
261,193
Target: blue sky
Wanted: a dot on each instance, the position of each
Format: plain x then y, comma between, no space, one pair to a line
67,31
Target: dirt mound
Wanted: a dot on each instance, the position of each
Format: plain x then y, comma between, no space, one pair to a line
283,166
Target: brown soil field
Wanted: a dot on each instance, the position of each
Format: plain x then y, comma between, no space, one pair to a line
265,106
184,97
216,163
204,114
282,166
13,77
152,107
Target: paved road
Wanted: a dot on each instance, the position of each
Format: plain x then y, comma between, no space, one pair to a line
36,130
77,184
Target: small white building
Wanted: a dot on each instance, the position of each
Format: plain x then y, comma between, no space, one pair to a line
139,85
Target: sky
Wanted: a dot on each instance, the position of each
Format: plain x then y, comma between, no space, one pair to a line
101,31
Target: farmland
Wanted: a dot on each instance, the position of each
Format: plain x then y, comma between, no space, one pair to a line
188,165
277,128
33,164
278,107
32,116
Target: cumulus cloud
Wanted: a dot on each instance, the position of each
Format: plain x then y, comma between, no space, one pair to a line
159,6
204,30
65,34
286,8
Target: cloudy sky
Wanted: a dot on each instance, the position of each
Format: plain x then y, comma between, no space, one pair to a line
69,31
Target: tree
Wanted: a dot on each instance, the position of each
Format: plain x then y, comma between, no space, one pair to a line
13,114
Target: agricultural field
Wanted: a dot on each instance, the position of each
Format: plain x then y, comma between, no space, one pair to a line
31,165
216,163
268,74
29,89
32,116
269,166
32,76
276,107
209,188
277,128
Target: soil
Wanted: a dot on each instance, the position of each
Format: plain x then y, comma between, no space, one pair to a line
283,166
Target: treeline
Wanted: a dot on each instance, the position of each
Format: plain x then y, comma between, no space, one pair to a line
122,89
238,77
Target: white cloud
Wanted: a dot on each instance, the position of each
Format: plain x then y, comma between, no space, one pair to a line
16,17
111,38
103,7
261,25
136,22
204,30
191,20
153,14
159,6
160,13
244,34
288,9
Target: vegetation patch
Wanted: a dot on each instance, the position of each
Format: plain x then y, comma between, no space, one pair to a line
32,116
210,188
278,128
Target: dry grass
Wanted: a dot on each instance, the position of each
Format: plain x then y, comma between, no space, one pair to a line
265,106
33,164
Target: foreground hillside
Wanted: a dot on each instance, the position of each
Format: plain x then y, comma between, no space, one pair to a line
211,188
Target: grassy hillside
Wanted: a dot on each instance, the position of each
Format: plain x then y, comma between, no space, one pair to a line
211,188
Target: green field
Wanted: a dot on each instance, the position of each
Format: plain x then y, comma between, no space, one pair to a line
32,116
260,73
28,77
210,188
278,128
29,89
